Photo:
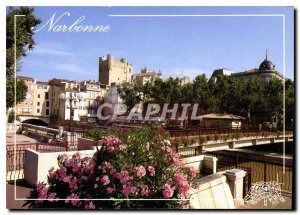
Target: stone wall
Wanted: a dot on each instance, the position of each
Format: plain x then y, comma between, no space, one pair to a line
38,164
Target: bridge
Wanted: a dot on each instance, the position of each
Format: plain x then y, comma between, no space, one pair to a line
218,145
35,120
245,142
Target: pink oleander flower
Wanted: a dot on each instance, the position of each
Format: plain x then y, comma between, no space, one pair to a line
97,179
183,195
67,179
140,172
192,171
62,172
43,194
179,178
105,180
113,171
51,171
108,165
73,184
126,191
169,149
73,198
110,190
112,141
110,149
176,160
95,186
123,177
40,186
168,191
75,168
133,189
184,187
51,197
145,191
151,170
90,206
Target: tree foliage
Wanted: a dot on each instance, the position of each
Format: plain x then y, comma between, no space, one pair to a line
251,98
23,35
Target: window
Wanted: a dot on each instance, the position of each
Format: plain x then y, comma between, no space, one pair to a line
38,110
46,95
38,104
39,96
47,103
28,96
47,112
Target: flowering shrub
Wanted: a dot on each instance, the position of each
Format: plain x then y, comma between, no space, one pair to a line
142,166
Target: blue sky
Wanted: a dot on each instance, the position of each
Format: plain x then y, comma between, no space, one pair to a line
176,45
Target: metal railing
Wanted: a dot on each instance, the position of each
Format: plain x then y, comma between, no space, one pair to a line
15,154
219,130
261,170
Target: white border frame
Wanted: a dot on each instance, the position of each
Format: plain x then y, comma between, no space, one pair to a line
170,15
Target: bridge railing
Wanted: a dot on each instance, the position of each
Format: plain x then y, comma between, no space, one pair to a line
261,169
15,154
41,131
220,130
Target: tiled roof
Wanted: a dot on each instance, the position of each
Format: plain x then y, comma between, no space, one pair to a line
221,116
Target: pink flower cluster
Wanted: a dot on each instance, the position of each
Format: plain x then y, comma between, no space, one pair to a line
159,175
151,170
171,157
112,144
179,184
140,172
43,193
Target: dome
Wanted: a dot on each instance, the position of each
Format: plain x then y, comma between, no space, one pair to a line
266,65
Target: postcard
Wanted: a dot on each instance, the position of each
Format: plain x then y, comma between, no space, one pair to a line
150,108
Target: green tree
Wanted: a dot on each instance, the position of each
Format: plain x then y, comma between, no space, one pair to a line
250,97
289,103
201,93
273,99
24,43
10,89
131,95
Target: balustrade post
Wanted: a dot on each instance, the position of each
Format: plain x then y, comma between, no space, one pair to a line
265,171
37,146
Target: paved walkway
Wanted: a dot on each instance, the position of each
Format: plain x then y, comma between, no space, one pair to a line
287,204
20,139
22,191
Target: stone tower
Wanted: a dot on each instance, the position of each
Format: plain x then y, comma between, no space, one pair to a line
114,72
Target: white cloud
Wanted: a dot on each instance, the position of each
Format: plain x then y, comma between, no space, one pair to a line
51,48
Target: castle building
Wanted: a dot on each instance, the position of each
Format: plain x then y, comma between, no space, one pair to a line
146,76
95,94
264,73
184,80
114,72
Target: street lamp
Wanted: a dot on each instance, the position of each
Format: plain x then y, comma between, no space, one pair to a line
70,99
